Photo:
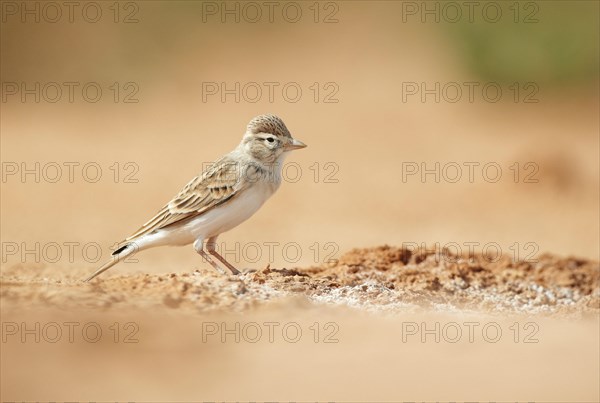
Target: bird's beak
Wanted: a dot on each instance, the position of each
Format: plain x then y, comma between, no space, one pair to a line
294,145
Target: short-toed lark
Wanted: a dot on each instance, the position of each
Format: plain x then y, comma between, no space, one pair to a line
226,194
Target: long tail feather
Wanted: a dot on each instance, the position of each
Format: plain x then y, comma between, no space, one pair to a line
118,255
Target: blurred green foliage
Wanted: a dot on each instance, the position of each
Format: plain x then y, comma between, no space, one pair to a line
550,42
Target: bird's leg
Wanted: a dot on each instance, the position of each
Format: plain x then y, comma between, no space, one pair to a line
198,246
211,248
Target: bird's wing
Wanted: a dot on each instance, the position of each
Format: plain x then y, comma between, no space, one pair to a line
219,183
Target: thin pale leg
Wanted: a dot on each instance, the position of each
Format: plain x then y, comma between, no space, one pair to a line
198,246
210,247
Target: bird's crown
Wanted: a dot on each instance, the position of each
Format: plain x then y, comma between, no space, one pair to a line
268,124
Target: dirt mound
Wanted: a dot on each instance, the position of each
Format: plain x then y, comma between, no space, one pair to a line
441,279
381,279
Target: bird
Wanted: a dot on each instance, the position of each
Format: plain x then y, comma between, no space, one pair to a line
225,194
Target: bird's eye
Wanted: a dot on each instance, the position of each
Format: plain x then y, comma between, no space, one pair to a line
270,139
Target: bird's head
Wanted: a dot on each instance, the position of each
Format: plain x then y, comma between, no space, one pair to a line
267,138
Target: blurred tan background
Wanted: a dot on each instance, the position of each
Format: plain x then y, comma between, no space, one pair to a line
369,53
363,142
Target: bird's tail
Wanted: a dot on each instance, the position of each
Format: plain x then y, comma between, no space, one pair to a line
117,256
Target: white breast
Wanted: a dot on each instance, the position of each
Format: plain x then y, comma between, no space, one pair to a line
233,212
219,219
215,221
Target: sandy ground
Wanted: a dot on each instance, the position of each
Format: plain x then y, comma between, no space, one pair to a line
381,323
384,279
